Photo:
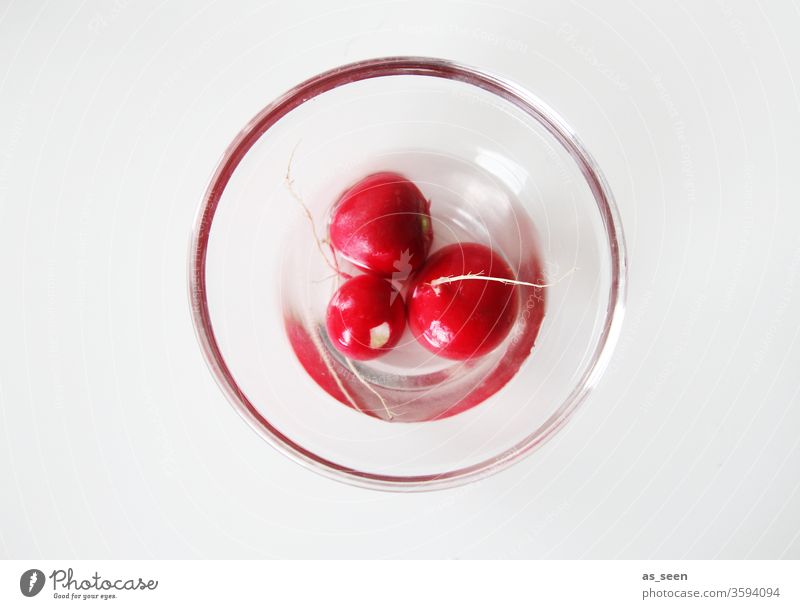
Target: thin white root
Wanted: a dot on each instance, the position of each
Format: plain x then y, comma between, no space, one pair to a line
480,276
326,278
338,274
327,360
289,181
364,382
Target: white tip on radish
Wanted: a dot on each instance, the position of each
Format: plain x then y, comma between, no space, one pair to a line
379,336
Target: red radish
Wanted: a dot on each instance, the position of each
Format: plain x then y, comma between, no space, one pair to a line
365,317
461,317
382,224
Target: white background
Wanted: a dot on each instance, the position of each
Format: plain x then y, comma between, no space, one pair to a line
115,440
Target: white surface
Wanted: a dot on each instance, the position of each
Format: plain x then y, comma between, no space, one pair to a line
114,439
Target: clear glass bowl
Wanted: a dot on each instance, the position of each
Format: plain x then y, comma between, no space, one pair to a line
501,168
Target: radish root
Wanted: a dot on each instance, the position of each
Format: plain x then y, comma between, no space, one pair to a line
327,360
289,181
366,384
481,277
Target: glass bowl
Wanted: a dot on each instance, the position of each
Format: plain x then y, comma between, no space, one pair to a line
499,167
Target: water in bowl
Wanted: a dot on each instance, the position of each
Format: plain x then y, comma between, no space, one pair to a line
469,202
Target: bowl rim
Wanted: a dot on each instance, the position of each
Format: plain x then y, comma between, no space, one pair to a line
379,68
